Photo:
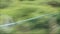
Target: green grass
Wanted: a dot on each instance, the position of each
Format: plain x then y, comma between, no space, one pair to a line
21,10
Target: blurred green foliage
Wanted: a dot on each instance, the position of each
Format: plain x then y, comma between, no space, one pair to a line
25,9
5,3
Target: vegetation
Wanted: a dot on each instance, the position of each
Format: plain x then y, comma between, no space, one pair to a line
25,9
